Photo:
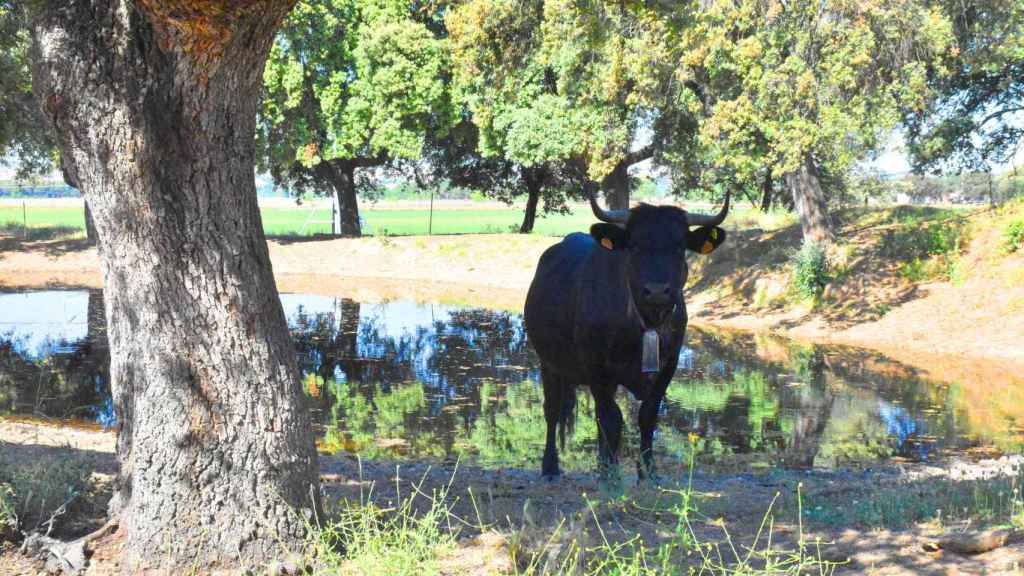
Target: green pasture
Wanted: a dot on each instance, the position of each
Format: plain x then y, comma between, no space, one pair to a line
377,222
293,221
288,221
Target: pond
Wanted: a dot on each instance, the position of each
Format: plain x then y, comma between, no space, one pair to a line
437,382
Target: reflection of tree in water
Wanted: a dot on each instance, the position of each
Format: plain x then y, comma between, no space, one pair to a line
808,400
460,382
61,378
511,428
417,391
787,403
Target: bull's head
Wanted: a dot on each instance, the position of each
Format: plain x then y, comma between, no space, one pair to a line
653,240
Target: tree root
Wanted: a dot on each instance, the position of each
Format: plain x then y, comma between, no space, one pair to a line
64,557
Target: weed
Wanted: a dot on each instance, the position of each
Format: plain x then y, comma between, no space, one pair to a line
685,553
1013,235
913,270
8,514
810,270
33,495
922,241
957,271
363,538
995,500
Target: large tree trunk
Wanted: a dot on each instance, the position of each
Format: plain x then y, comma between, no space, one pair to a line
344,178
90,225
766,193
809,200
533,191
154,107
616,187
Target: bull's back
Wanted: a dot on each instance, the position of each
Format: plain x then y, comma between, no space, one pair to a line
549,310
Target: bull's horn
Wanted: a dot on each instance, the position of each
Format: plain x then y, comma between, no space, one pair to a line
610,216
708,220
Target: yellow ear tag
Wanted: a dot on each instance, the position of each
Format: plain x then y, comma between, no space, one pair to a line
707,247
607,243
714,233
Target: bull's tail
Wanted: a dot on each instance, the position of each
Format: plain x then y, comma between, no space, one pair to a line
567,413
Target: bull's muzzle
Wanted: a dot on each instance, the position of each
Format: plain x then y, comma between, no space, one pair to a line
657,295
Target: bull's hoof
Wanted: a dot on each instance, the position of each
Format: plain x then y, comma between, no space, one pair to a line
646,474
551,477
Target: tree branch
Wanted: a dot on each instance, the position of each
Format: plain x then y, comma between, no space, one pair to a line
639,155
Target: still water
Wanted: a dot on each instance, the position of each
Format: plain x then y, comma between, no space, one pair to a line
428,381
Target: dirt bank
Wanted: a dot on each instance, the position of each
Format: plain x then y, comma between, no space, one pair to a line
502,517
745,285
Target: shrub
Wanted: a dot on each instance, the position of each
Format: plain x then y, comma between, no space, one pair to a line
923,241
8,517
1014,236
810,269
33,492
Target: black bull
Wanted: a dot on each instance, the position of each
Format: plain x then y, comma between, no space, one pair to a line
591,301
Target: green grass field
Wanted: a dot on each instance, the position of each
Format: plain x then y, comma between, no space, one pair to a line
290,221
279,221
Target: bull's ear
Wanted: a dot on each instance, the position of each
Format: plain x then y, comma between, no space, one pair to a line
610,236
704,240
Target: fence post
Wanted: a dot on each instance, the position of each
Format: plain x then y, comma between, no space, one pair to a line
24,220
430,219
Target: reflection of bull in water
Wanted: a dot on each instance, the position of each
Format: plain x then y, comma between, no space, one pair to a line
595,300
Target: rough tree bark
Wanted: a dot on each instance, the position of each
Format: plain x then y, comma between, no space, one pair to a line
343,178
154,105
809,200
616,187
90,224
533,183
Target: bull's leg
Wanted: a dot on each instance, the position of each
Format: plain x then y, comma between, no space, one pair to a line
609,430
647,421
554,391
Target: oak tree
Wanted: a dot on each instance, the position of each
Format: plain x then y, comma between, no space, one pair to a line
351,85
974,120
555,82
153,106
802,88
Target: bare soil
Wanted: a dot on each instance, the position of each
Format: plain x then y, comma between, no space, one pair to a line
504,517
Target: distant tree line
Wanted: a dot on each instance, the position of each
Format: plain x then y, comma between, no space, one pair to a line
548,101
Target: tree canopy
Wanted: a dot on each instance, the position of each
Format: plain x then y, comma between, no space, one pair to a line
351,84
23,134
792,89
976,118
547,81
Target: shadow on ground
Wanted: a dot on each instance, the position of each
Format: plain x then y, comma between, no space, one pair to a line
538,524
54,241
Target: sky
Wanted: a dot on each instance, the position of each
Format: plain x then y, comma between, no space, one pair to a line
893,161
